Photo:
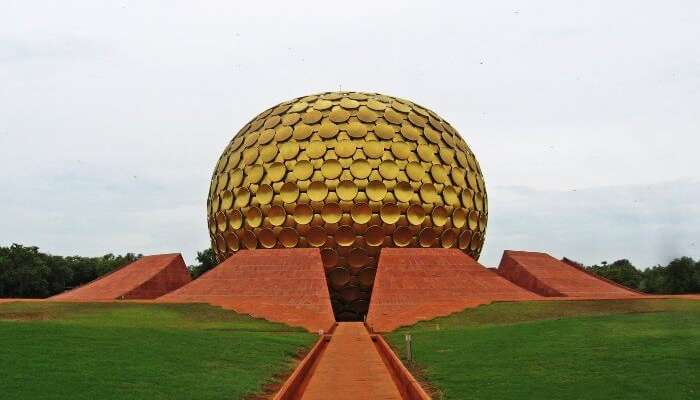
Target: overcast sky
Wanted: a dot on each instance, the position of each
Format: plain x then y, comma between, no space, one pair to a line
585,116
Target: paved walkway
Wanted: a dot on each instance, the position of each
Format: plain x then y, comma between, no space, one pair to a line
351,368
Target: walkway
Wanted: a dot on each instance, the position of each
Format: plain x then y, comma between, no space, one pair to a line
351,368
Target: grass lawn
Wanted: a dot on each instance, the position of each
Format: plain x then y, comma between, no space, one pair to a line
631,349
139,351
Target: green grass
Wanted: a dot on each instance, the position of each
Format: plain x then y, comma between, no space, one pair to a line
139,351
639,349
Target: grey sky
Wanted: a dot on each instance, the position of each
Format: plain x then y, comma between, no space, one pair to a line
585,116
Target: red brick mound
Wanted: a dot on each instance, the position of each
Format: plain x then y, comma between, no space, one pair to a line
545,275
281,285
421,284
147,278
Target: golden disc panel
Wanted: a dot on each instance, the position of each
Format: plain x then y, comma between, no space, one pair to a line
276,215
331,213
317,191
303,214
355,172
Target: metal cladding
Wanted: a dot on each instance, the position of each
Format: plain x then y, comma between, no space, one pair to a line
348,173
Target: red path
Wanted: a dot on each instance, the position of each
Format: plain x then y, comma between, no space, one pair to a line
287,286
351,369
544,274
147,278
420,284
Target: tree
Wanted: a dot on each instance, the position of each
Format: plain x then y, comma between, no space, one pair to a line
621,271
680,275
207,260
27,272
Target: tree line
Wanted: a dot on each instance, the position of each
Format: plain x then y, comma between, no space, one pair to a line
27,272
682,275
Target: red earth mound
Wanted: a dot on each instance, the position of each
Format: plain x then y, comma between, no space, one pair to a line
281,285
547,276
147,278
421,284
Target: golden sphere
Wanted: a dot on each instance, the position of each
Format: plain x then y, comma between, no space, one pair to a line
349,173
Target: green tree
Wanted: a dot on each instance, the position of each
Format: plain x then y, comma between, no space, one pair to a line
207,260
27,272
681,275
621,271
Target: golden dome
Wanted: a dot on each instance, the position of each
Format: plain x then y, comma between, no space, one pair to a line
348,173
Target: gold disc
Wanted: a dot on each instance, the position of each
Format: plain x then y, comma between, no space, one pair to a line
415,214
316,149
459,217
402,236
289,237
226,200
267,238
253,217
302,131
303,170
235,219
415,171
289,150
403,191
331,169
473,220
376,190
289,192
268,152
331,213
317,191
388,169
384,131
464,238
360,169
231,241
328,130
356,130
249,240
427,237
390,213
428,193
448,238
450,195
339,115
401,150
345,148
425,152
361,213
345,236
347,190
316,236
277,215
439,216
303,214
374,236
276,171
373,149
242,197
